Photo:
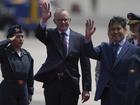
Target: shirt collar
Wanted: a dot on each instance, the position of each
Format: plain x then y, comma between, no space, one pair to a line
121,43
67,31
11,48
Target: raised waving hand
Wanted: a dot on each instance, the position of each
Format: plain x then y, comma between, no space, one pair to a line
89,28
45,10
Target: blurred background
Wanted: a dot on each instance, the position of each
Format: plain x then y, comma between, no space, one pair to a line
27,13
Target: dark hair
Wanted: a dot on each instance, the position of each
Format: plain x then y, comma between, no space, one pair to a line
117,19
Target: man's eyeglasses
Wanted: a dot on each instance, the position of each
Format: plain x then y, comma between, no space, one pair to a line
61,20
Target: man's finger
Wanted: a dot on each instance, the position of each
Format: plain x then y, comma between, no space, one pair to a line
85,99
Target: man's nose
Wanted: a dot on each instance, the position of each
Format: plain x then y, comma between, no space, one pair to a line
116,31
63,21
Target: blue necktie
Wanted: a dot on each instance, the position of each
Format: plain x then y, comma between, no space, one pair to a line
64,42
115,48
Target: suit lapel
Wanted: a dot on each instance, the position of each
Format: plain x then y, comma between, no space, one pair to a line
57,41
121,54
71,39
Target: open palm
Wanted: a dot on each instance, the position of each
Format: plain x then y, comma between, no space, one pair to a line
45,10
90,28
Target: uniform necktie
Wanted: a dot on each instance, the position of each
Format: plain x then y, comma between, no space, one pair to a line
64,42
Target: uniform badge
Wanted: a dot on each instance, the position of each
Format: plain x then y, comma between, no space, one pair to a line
17,29
131,70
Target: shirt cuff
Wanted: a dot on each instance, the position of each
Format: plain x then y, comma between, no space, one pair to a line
87,40
43,25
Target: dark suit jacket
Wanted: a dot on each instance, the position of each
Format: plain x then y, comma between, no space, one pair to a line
133,97
116,75
55,58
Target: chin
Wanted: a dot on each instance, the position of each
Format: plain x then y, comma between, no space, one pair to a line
63,29
20,45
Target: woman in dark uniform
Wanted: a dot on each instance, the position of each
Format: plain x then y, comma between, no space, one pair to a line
17,69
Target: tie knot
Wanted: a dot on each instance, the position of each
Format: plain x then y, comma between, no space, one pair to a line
63,34
115,45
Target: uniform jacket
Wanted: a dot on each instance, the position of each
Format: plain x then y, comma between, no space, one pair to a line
133,97
55,58
116,75
10,70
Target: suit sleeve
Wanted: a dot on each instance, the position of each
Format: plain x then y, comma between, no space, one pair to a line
85,70
30,81
91,52
41,34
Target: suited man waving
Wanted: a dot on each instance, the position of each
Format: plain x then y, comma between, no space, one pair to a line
114,58
60,72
